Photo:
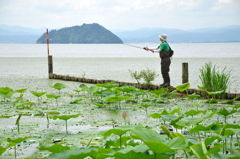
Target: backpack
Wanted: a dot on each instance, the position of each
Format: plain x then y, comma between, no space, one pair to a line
170,51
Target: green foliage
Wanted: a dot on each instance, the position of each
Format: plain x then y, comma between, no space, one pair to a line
135,75
200,151
139,138
59,86
38,94
147,75
6,92
64,117
183,87
56,148
214,80
85,34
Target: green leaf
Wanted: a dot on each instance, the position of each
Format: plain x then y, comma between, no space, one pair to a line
189,121
231,101
147,134
21,90
215,93
131,155
169,117
3,149
225,112
72,154
53,96
195,112
202,88
237,106
183,87
192,96
225,156
6,92
155,115
64,117
209,140
200,151
59,86
38,94
76,101
158,147
197,128
160,91
212,101
18,140
108,85
165,130
178,143
56,148
117,131
84,87
93,89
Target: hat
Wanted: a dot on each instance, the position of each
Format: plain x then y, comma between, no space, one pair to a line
163,37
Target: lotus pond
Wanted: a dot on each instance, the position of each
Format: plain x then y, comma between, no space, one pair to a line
116,122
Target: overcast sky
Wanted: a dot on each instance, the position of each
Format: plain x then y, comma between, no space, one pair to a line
120,14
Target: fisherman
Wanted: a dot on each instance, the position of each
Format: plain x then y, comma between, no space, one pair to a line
164,52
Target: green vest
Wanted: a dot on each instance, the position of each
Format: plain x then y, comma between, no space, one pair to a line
164,46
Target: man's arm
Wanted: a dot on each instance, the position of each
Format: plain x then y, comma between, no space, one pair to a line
153,49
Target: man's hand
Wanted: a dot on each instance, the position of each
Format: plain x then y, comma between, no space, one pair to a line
152,50
146,48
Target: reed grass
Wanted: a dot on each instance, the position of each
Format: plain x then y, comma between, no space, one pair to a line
214,80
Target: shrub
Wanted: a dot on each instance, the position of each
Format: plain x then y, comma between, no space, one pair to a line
147,75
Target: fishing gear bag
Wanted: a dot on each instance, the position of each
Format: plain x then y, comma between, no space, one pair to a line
171,52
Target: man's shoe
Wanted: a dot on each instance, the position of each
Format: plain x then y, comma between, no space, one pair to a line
162,84
166,84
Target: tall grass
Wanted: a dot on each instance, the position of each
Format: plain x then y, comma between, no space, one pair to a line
214,80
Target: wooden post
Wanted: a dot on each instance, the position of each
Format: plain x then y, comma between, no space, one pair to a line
184,72
50,63
50,66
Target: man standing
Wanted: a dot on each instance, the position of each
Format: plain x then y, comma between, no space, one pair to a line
164,52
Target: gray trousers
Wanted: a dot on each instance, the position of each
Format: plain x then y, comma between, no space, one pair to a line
165,68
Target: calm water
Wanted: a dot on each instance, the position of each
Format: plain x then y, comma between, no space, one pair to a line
25,65
182,50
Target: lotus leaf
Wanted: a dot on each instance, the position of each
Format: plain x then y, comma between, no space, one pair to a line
183,87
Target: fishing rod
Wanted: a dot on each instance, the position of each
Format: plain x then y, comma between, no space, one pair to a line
138,47
134,46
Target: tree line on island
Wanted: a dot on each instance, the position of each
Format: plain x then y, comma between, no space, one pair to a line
84,34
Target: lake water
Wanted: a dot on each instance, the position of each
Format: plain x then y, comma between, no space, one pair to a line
25,65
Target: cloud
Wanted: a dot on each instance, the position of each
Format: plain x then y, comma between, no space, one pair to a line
123,14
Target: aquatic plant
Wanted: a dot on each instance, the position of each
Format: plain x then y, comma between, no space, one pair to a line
203,132
6,92
38,94
21,91
14,142
213,80
17,122
59,86
183,87
64,117
53,96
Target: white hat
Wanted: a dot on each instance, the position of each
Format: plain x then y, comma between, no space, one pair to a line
163,37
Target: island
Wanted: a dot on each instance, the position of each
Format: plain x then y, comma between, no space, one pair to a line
84,34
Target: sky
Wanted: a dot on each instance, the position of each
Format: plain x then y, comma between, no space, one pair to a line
120,14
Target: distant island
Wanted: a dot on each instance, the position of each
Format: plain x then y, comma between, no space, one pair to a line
84,34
